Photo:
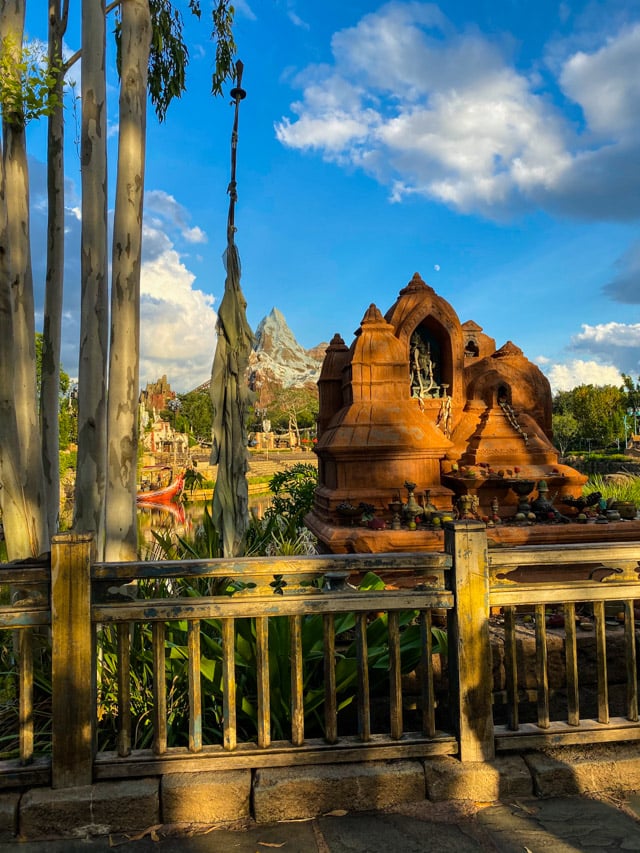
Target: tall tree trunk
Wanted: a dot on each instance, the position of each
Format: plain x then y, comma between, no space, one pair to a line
52,326
18,270
11,494
92,368
124,355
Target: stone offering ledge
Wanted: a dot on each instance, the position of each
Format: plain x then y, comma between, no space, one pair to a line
362,540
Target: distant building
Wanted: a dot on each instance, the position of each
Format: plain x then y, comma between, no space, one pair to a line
633,445
156,395
160,439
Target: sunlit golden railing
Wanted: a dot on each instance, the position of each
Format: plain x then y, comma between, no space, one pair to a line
24,620
283,598
135,653
565,594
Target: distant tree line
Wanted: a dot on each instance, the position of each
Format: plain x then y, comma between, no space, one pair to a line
291,408
591,417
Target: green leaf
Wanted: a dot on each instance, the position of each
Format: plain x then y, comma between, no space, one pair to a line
371,581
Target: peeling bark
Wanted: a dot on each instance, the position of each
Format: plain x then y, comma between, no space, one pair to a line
92,367
11,494
124,369
17,269
52,325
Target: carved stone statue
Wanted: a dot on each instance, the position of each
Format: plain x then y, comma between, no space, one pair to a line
423,383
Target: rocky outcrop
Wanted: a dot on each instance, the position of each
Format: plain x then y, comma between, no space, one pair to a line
278,361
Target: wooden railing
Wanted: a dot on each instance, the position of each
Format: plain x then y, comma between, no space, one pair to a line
134,646
588,594
25,618
280,597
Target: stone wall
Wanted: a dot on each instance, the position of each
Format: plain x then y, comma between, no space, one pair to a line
588,466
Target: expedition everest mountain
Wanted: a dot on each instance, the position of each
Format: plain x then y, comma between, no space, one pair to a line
278,360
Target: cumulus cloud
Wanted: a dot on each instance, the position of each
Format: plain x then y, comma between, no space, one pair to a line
617,343
163,208
460,124
604,84
177,321
612,349
564,377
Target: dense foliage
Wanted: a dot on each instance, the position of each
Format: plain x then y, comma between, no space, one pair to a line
595,415
195,415
292,408
247,655
26,81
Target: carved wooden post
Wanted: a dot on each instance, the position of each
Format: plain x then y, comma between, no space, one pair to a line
469,646
73,671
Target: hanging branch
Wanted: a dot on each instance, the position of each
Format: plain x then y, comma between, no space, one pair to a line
238,94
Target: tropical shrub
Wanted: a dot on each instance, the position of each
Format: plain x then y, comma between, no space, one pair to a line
246,669
293,492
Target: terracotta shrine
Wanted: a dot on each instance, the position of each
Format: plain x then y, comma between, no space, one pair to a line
422,415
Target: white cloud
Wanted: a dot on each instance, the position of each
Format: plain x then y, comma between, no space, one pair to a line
168,211
332,132
609,335
459,123
612,349
611,343
177,321
297,21
606,83
564,377
244,9
194,235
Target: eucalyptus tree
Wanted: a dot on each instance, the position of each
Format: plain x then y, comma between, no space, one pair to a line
121,532
147,30
106,476
94,309
24,94
52,318
11,501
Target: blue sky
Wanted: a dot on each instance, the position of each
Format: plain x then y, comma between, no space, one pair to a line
493,147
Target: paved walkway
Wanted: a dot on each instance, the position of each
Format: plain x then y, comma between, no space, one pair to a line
561,825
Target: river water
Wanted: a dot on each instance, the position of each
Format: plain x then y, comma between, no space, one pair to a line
182,518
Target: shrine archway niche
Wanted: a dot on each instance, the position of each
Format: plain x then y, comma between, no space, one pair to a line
431,372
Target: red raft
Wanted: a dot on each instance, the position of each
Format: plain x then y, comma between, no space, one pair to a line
163,494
